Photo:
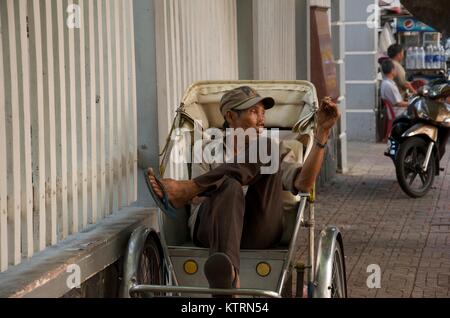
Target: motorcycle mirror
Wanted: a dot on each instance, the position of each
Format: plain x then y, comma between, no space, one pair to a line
423,91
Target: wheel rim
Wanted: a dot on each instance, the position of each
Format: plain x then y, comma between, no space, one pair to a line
150,266
416,179
338,276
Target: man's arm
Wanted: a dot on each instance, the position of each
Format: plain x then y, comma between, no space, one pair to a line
400,79
409,86
327,117
402,104
392,94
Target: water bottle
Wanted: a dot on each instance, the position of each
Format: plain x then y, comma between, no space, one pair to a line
422,57
409,58
443,59
436,58
433,57
417,61
428,58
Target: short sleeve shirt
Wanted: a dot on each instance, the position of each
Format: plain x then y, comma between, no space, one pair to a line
390,92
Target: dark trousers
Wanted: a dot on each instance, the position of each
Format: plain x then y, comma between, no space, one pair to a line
228,220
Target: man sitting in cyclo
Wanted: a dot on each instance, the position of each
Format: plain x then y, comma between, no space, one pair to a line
235,205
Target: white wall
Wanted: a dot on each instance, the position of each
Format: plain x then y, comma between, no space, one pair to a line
274,40
67,118
195,40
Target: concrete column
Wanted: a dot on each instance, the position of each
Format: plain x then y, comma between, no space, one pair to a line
147,121
338,37
361,69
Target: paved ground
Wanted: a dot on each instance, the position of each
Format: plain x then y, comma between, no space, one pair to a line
408,238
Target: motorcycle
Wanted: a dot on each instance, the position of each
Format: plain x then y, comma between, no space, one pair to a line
413,144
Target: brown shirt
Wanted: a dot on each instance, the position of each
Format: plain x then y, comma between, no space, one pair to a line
291,157
400,79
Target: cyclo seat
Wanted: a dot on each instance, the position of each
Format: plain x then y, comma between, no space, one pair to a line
293,115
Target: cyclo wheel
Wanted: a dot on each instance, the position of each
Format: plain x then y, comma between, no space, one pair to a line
330,276
408,165
151,266
338,277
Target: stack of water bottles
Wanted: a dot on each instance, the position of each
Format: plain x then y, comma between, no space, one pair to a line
433,57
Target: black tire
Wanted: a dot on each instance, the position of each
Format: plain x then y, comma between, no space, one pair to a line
410,159
338,278
151,266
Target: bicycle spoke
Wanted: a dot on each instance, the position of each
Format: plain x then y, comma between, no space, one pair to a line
413,178
414,155
422,178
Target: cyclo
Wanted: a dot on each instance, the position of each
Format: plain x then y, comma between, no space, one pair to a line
164,261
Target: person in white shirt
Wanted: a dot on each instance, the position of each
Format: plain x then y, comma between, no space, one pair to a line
389,90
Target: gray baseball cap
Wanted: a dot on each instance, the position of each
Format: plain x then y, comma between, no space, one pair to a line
242,98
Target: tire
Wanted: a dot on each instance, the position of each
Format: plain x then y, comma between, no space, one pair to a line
151,266
338,278
410,159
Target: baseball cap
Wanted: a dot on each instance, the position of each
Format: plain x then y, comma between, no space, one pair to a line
242,98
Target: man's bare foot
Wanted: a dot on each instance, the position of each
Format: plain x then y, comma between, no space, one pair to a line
179,193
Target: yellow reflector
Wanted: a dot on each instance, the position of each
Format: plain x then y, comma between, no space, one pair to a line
263,269
190,267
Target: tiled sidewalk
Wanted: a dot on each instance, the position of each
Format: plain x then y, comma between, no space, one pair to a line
408,238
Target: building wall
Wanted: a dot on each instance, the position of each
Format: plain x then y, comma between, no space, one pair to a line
361,70
274,40
67,118
147,102
195,40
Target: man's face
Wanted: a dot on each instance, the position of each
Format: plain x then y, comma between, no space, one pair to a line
254,117
401,56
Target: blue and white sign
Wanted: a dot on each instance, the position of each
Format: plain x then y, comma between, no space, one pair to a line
411,24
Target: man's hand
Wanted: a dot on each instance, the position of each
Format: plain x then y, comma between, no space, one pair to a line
328,114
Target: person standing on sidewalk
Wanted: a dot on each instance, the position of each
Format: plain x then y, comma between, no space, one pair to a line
397,54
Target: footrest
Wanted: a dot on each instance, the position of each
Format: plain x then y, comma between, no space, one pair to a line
151,289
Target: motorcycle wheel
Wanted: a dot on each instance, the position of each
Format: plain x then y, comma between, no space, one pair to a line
410,158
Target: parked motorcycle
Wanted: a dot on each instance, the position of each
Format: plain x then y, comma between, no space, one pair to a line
413,144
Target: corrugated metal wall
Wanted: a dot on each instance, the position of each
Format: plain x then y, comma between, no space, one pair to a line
274,40
195,40
67,119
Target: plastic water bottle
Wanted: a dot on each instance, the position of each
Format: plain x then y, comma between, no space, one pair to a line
442,56
436,58
422,57
415,58
409,58
418,60
428,58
